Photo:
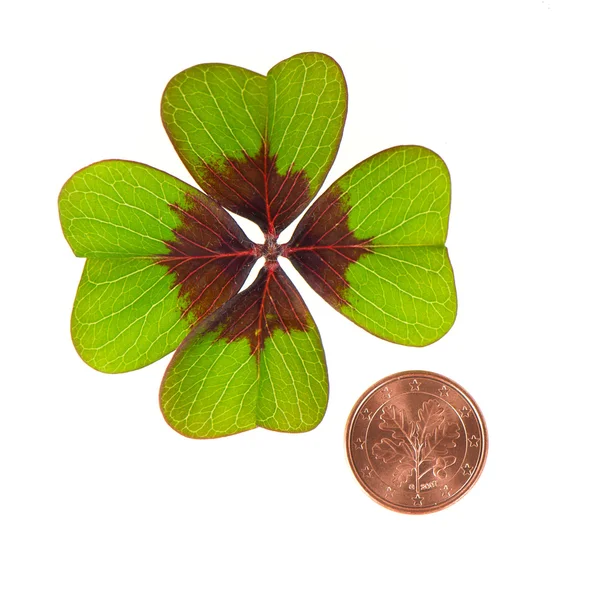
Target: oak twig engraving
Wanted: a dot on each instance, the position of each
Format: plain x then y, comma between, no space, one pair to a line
417,447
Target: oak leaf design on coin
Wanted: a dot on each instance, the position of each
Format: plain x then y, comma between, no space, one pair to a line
419,447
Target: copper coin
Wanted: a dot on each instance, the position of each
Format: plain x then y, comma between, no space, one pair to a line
416,442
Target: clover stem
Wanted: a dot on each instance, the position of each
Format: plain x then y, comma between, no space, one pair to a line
271,249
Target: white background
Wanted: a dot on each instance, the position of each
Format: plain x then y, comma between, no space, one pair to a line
101,499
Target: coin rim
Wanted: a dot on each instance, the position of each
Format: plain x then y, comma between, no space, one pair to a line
469,484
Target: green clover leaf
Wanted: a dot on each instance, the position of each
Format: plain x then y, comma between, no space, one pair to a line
166,262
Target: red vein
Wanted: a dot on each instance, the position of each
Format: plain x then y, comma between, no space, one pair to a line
186,257
274,304
216,174
192,242
299,197
290,249
208,285
312,225
335,226
233,323
333,270
349,232
283,182
259,340
201,223
219,295
266,173
235,168
300,324
342,300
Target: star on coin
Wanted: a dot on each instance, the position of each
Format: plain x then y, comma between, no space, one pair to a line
359,444
465,411
389,492
414,385
446,492
474,441
367,471
417,500
365,413
444,391
467,469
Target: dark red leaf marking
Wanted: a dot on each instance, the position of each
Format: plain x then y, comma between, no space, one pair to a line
206,229
323,247
270,304
253,188
210,256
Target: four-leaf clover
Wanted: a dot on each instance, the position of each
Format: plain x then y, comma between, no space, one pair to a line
165,261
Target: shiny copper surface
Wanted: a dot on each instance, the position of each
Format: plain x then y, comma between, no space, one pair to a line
416,442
